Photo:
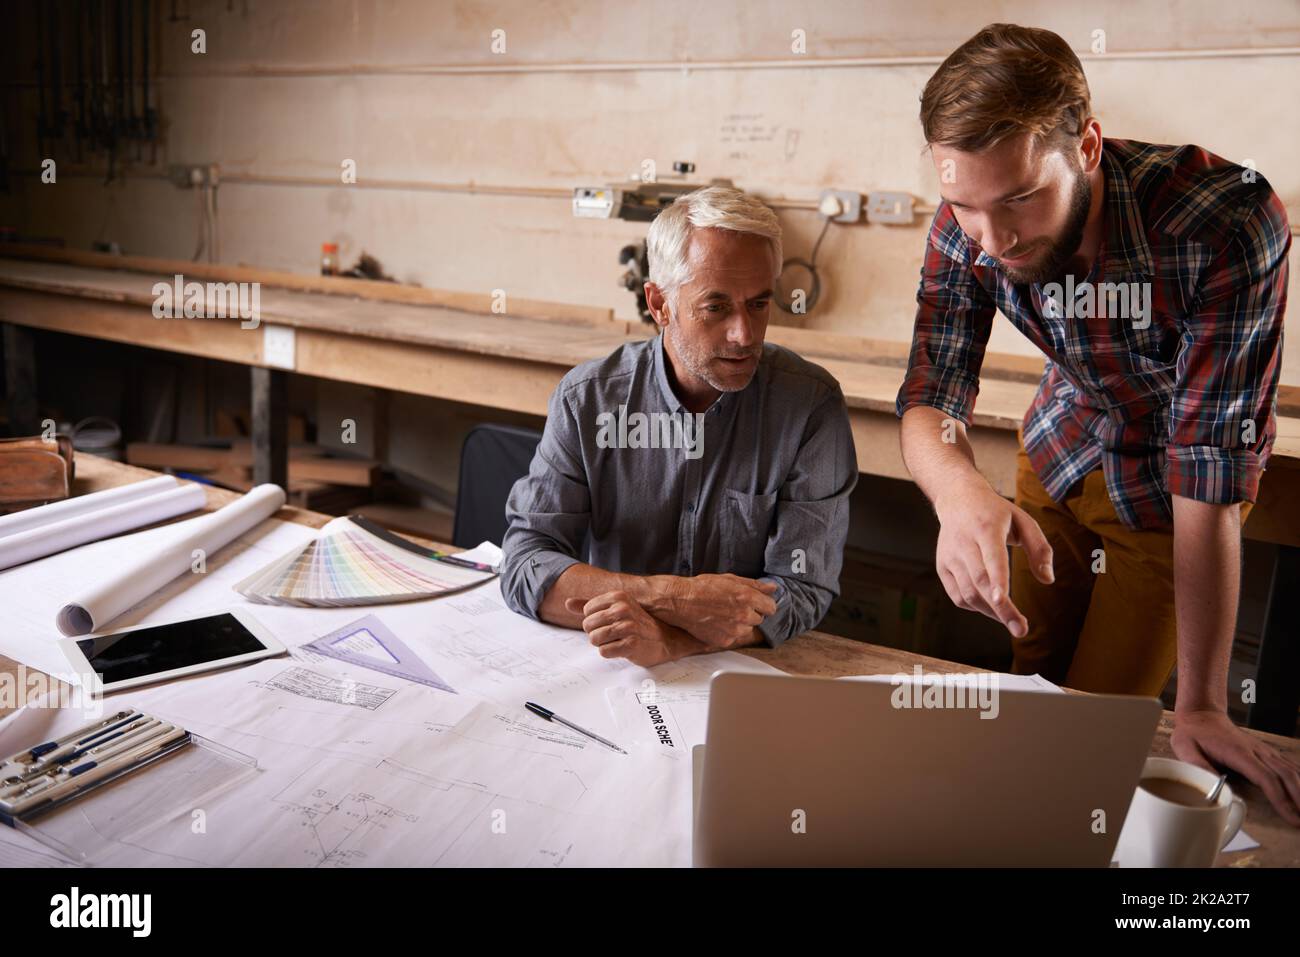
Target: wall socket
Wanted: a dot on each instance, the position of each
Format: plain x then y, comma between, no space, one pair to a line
890,208
840,206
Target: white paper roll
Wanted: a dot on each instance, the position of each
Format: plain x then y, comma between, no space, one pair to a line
130,584
42,515
78,529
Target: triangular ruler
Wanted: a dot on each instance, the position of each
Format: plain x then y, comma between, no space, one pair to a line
368,643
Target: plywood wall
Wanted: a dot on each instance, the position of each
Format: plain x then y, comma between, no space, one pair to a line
489,144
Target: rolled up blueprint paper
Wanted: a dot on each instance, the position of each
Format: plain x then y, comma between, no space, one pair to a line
131,583
72,527
82,504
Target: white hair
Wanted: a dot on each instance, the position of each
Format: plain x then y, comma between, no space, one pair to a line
719,207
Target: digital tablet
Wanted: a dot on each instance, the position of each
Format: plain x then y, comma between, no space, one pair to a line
148,653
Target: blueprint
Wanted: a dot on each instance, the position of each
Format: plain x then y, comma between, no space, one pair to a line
360,768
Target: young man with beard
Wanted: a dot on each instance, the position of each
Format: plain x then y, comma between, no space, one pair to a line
725,528
1144,445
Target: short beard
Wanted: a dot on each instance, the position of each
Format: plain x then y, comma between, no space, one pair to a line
1060,252
696,362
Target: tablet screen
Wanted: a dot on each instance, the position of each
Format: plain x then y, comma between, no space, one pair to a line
149,651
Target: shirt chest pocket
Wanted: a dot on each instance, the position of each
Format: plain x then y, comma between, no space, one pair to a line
745,524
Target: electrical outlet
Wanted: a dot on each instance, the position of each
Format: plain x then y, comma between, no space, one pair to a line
890,208
840,206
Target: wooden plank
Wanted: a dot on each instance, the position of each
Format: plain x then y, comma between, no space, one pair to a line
1276,515
881,362
455,371
362,473
816,343
1004,366
509,334
117,322
492,366
304,464
303,494
187,458
875,438
492,381
329,285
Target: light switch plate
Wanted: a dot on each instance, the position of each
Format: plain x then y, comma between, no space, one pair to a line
278,346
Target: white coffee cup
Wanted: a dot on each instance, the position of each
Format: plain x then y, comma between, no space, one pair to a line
1163,833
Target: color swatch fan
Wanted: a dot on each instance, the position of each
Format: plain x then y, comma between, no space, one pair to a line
353,561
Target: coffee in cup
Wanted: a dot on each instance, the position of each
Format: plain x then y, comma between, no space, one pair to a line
1171,822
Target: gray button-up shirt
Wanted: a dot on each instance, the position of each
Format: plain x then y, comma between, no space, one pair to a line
762,491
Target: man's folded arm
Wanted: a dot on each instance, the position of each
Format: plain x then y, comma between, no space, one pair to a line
547,514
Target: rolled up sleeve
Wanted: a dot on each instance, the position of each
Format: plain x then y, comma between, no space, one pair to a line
954,317
805,550
548,513
1222,416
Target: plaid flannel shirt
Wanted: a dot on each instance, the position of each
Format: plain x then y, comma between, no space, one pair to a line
1182,403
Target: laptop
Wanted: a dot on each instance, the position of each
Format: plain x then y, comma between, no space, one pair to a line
801,771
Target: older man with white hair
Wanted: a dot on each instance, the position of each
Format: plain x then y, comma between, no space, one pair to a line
711,471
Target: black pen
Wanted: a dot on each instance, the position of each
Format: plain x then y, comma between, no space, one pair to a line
550,715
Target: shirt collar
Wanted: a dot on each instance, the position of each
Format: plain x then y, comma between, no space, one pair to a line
1125,248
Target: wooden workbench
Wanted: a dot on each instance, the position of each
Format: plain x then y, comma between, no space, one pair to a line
409,340
514,361
824,655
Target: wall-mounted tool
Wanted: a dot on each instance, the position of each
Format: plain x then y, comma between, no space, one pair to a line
641,198
95,79
640,201
634,279
635,201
